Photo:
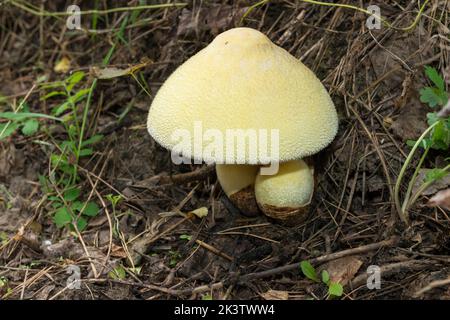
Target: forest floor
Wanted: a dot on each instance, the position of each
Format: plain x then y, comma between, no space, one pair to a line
136,236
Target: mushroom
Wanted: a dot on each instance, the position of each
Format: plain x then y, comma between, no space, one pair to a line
279,111
286,195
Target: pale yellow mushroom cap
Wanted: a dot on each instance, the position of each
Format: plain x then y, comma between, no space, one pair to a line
242,80
291,187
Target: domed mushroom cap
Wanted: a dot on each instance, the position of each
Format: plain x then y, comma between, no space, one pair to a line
243,81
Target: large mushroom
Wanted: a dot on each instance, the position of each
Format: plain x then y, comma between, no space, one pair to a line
243,81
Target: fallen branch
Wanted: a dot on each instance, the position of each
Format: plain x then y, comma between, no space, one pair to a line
432,285
179,178
321,259
390,269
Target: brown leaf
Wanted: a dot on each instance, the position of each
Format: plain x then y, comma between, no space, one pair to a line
113,72
118,251
441,199
342,270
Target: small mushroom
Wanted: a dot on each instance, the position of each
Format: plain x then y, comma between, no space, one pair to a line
286,195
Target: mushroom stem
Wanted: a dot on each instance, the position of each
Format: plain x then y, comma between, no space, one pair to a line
286,195
237,181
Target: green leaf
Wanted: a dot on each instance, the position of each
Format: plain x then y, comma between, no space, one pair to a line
58,160
91,209
185,237
75,78
80,95
86,152
72,194
309,271
77,206
434,76
118,273
425,143
62,217
432,118
335,289
207,297
53,94
325,277
30,127
433,96
57,111
94,139
441,136
435,174
7,129
81,224
24,115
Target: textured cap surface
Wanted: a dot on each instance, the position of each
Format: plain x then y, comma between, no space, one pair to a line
243,81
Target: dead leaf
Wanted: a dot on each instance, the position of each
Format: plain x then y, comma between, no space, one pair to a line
275,295
113,72
200,212
118,251
441,199
109,73
342,270
62,66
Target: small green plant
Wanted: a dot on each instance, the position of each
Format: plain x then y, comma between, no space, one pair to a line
435,137
72,211
3,238
118,273
174,258
3,282
436,94
114,200
334,289
5,289
207,297
186,237
21,118
61,185
65,158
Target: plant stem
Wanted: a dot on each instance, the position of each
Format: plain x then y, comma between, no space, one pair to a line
413,179
401,213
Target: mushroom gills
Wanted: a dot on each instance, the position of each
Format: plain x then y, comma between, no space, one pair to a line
237,181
